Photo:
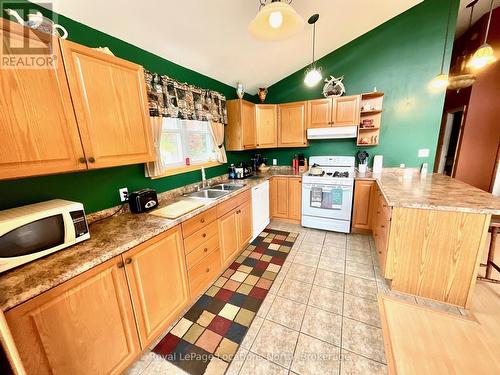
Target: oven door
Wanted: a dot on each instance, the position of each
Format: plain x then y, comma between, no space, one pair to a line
335,203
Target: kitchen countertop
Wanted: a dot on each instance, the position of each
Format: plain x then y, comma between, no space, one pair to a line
108,238
435,191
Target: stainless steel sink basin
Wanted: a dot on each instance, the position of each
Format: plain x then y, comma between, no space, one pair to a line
207,194
226,187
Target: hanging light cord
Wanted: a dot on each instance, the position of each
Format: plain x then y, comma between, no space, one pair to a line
446,37
489,21
314,40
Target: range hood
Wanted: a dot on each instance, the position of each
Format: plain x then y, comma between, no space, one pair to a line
334,132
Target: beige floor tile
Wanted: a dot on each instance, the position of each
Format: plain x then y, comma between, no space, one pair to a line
363,339
266,305
141,364
361,309
216,367
287,312
256,365
310,248
359,257
275,343
306,259
313,356
160,366
326,299
329,279
361,287
252,332
302,273
322,325
295,290
337,239
317,237
331,264
360,270
359,246
237,362
333,251
353,364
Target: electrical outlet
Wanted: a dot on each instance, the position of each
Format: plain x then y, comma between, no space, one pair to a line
275,161
423,153
123,194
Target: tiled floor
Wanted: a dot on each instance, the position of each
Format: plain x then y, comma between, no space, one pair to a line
319,317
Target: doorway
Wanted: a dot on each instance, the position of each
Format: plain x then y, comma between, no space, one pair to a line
449,141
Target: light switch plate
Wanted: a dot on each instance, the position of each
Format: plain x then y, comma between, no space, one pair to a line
423,153
275,161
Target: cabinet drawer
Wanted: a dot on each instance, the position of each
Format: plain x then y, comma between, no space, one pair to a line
224,207
199,221
199,237
204,272
202,251
245,196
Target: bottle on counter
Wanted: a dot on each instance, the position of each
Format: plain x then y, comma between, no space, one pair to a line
232,172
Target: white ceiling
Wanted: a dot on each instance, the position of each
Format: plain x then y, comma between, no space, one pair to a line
211,37
482,7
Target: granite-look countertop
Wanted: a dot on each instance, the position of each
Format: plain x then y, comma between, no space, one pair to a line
108,238
434,191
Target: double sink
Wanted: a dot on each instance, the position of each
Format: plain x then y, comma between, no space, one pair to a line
214,192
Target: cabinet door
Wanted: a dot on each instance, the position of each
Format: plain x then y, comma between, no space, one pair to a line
228,236
248,124
83,326
362,203
109,97
319,113
266,116
244,222
281,197
150,268
37,123
346,111
273,197
294,198
292,125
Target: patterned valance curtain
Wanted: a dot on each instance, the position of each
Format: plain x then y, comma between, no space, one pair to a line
170,98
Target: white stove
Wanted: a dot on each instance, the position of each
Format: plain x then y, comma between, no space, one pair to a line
327,198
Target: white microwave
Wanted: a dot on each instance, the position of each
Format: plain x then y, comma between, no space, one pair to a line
33,231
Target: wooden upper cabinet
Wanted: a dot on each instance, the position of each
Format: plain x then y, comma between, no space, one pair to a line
240,132
83,326
266,122
363,192
346,110
295,198
150,267
292,125
319,113
37,124
110,103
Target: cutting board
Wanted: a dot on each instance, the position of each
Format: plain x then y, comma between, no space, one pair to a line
177,209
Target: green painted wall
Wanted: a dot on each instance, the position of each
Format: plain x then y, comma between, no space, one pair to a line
399,57
98,189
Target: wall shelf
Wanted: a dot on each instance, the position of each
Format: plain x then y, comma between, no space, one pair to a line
370,136
370,113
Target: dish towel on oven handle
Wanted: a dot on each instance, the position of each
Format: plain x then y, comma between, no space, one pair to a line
316,196
336,197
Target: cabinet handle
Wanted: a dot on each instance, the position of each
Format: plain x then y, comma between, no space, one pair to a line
205,249
120,265
202,220
208,269
82,160
128,260
91,159
382,226
204,235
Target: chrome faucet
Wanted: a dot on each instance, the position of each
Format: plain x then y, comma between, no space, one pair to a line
203,178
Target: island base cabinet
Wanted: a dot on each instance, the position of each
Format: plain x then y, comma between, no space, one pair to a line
156,271
84,326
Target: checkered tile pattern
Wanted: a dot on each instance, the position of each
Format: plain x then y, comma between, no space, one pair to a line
216,324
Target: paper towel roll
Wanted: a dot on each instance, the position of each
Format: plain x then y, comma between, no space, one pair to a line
377,163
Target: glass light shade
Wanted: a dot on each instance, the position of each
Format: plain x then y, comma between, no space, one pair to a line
267,26
440,82
313,76
482,57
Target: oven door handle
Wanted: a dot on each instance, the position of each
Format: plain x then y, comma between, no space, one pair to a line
327,187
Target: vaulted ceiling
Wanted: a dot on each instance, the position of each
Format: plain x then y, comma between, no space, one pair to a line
211,37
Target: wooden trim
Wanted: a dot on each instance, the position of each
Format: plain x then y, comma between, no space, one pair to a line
389,355
293,221
9,347
361,231
187,168
459,144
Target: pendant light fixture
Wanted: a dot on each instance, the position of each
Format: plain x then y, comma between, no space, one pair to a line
441,81
484,54
276,20
313,74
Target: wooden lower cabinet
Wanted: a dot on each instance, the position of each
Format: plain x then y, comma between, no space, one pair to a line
83,326
362,203
150,267
204,272
244,222
285,198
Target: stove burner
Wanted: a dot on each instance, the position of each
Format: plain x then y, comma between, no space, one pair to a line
341,174
317,175
329,173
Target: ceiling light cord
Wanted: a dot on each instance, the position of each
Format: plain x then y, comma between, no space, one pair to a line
314,41
446,37
488,24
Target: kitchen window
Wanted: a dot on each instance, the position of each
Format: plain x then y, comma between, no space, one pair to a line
186,145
